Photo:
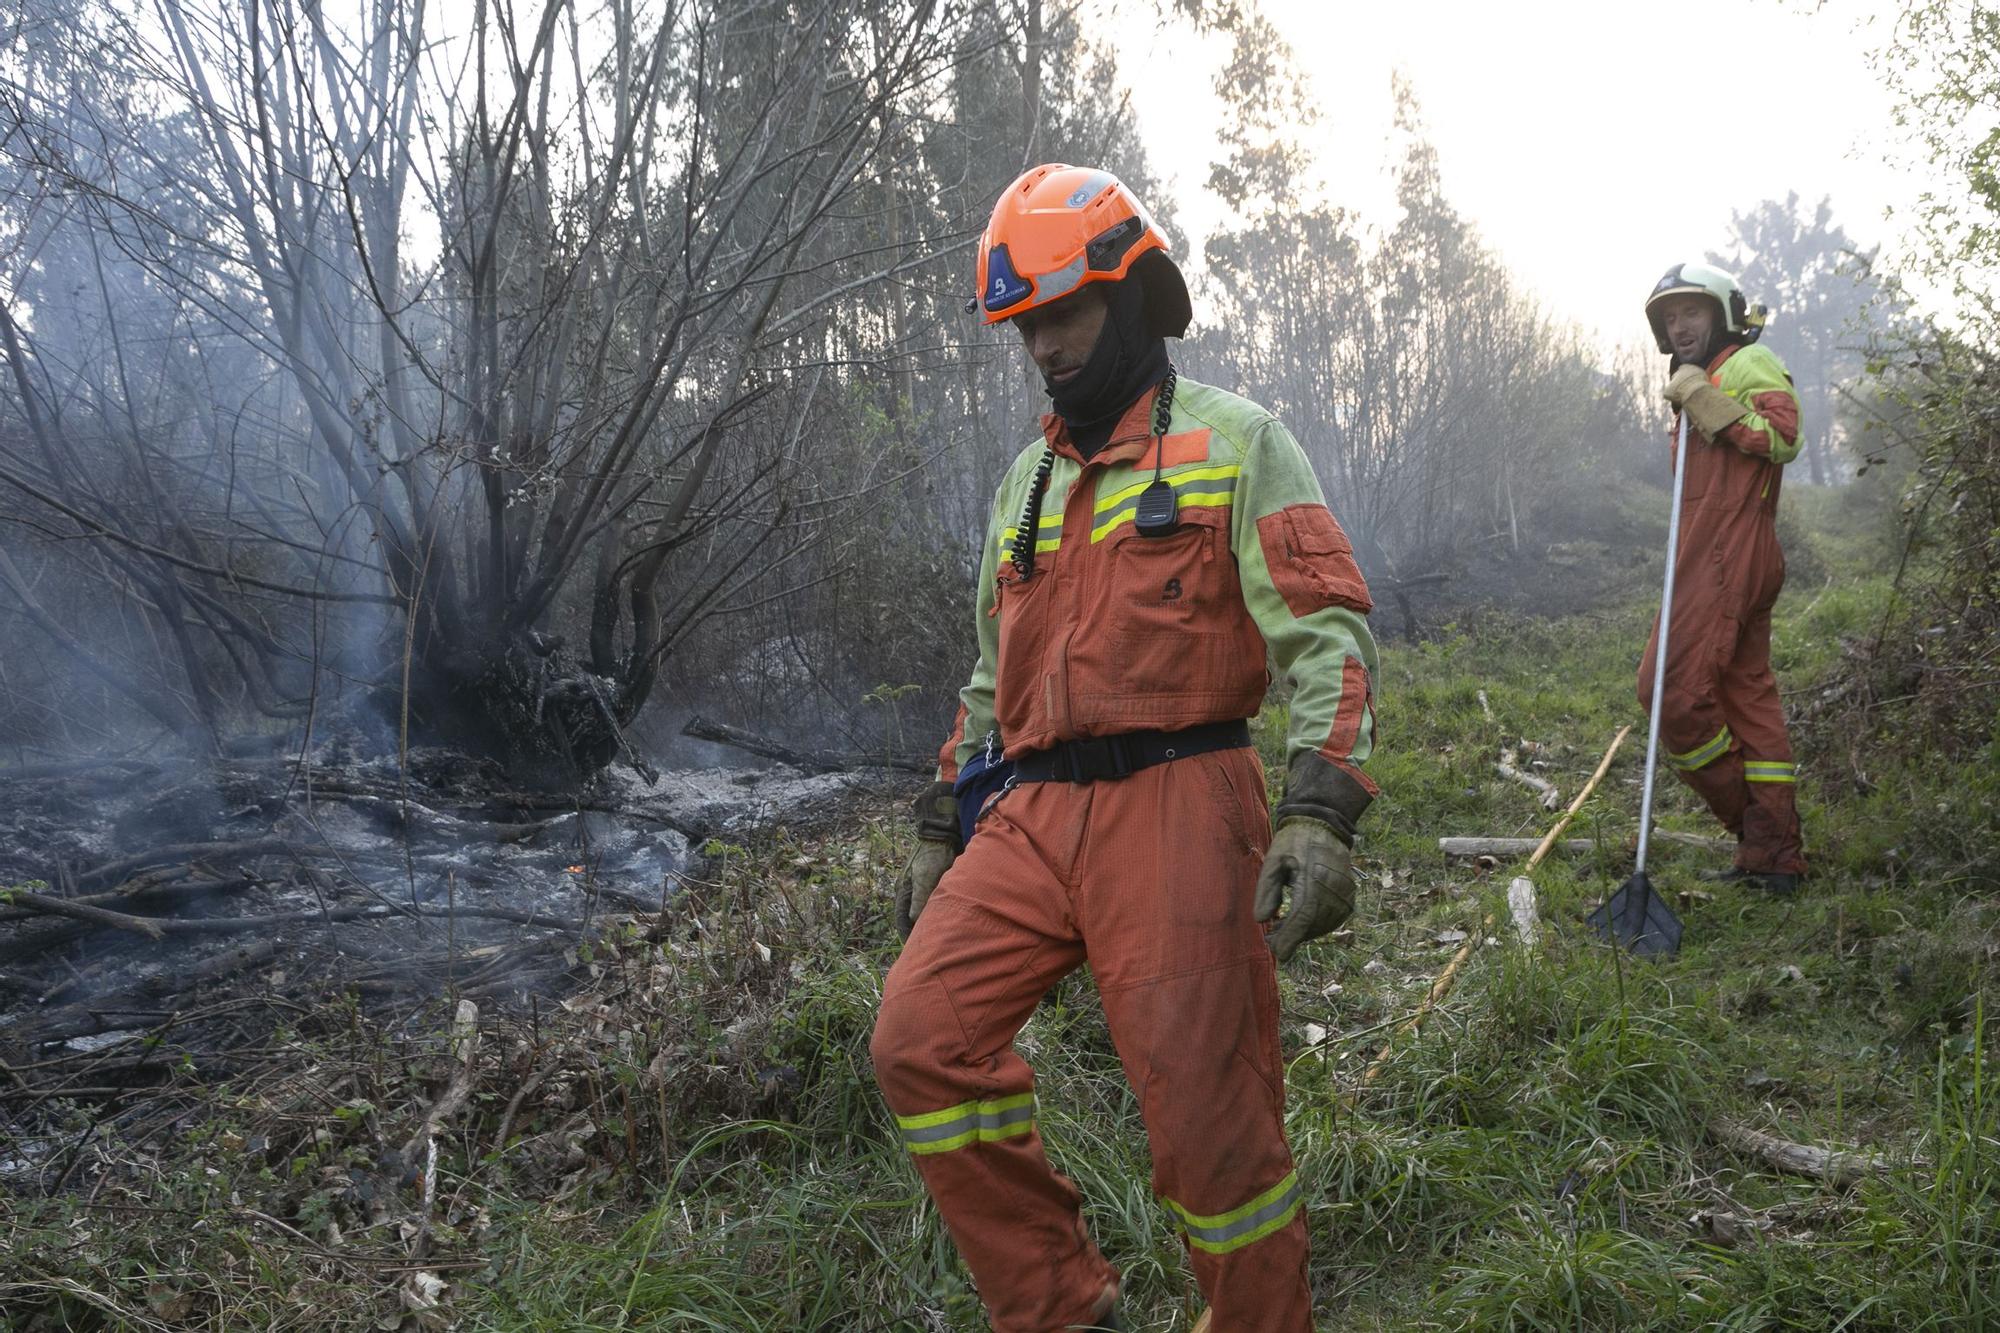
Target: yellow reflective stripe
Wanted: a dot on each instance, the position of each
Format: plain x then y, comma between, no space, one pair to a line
968,1122
1048,535
1769,770
1223,1232
1702,755
1185,500
1220,472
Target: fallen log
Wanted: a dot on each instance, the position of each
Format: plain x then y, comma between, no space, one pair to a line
30,901
812,761
69,768
155,889
1464,849
1833,1166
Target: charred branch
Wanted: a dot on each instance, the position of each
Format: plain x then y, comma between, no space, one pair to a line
811,761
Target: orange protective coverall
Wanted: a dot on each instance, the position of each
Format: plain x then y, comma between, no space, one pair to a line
1149,878
1722,723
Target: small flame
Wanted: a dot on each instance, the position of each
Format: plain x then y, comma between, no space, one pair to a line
575,870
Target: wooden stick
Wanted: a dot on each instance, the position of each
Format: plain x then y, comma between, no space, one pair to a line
812,761
153,894
1439,989
161,927
1449,977
465,1052
1603,766
96,916
1838,1168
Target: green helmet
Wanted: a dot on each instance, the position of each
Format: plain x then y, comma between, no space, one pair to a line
1738,315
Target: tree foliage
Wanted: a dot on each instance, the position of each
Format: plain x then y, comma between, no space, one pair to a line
1941,380
1440,404
1826,302
470,364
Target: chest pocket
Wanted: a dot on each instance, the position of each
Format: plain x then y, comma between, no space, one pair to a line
1170,584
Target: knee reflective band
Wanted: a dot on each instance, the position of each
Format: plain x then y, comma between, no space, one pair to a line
1769,770
1702,755
1255,1220
968,1122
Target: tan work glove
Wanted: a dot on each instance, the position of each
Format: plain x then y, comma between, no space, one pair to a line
1308,858
937,847
1709,409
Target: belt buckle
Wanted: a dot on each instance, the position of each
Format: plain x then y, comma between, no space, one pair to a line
1075,767
1089,759
1121,756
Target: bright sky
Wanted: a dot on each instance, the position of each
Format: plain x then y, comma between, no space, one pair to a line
1592,142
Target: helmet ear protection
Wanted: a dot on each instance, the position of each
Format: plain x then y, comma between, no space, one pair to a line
1753,320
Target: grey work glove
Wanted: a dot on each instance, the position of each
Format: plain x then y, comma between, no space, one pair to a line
1309,853
1308,858
1709,409
937,847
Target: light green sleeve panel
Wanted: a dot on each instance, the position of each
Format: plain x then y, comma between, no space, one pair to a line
975,700
1756,378
1307,596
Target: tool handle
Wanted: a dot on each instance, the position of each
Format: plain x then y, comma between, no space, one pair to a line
1549,838
1660,657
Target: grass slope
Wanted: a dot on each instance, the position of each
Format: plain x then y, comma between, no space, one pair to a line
1536,1158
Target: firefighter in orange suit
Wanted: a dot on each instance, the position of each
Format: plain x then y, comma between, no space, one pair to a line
1722,724
1147,564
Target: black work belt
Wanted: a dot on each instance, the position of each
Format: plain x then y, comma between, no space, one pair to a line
1110,757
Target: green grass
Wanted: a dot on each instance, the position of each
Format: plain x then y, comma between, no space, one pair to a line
1537,1158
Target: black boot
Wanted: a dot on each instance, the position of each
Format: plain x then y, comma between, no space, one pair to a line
1776,883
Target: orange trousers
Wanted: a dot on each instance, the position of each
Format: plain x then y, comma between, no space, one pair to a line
1149,879
1722,725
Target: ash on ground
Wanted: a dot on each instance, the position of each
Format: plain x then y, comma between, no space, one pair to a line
164,921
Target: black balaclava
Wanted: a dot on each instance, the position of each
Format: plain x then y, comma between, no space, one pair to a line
1127,361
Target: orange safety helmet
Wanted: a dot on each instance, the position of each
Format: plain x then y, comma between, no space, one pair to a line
1058,227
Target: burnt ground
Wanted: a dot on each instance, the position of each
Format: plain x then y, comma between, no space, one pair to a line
169,926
